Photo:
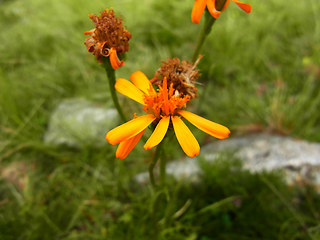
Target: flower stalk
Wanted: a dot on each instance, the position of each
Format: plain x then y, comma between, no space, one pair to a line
163,163
112,80
158,155
153,163
213,11
209,21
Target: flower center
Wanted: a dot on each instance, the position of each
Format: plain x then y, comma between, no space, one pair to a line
165,102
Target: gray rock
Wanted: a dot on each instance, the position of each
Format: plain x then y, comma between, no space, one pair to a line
77,122
267,152
299,159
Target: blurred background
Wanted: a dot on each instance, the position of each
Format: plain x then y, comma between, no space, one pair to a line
260,74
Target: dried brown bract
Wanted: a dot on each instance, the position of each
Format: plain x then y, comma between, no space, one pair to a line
182,74
108,38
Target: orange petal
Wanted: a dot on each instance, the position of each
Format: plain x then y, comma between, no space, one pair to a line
209,127
89,32
158,134
212,9
185,137
114,60
129,129
197,10
126,147
165,96
141,81
128,89
244,6
225,5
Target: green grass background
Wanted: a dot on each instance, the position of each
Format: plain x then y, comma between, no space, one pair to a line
260,72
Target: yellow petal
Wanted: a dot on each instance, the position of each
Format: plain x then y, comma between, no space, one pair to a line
212,9
126,147
129,129
158,134
128,89
244,6
209,127
185,137
141,81
197,10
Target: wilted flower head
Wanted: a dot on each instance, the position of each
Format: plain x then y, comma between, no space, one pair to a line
181,74
215,7
164,110
108,38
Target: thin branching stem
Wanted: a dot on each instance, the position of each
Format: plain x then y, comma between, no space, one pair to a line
112,80
209,21
163,162
153,163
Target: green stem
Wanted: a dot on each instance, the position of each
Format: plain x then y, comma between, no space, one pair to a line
112,80
209,21
163,162
163,158
153,164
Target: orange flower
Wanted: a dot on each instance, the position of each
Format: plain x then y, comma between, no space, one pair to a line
214,7
108,38
163,108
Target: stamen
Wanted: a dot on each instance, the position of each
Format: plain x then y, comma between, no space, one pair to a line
165,96
164,102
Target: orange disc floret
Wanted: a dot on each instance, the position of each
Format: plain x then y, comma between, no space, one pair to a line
165,102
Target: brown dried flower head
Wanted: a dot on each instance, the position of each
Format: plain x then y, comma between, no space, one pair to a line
181,74
108,38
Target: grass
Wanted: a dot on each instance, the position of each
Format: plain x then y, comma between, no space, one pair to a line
260,71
